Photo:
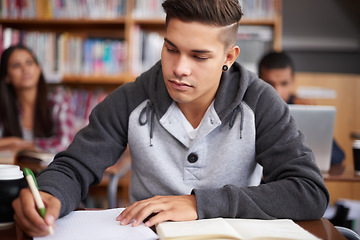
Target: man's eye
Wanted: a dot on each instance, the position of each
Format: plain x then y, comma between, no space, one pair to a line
170,50
200,58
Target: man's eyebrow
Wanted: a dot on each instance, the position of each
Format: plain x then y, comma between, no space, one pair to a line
195,51
201,51
169,42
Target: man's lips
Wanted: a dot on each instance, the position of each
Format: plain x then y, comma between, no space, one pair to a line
180,85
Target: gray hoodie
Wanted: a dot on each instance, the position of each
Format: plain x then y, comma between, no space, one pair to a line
248,160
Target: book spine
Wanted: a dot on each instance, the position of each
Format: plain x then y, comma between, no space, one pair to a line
87,48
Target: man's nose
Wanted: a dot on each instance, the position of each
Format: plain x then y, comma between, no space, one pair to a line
182,66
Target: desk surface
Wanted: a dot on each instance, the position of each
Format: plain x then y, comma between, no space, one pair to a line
341,173
321,228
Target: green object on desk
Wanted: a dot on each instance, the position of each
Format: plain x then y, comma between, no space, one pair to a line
30,178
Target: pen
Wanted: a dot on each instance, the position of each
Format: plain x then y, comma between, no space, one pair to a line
30,178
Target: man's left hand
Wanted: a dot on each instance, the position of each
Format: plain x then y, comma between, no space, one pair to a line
175,208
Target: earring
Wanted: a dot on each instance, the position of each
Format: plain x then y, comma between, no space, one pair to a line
225,68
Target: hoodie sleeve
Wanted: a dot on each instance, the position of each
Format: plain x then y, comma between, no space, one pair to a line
293,186
95,147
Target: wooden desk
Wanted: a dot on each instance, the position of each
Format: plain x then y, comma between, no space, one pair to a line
342,182
341,173
321,228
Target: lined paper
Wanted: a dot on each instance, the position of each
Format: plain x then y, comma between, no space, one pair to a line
97,225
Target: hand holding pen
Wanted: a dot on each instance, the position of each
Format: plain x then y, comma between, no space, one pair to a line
27,215
30,178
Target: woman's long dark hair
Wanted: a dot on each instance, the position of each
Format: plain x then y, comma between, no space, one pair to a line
9,111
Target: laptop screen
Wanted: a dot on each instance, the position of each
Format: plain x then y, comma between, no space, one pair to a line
317,124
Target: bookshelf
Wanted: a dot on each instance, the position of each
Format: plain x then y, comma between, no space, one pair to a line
132,21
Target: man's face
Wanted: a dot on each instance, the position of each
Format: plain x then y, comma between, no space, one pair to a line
192,58
281,79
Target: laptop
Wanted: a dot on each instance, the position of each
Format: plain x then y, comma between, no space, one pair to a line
317,124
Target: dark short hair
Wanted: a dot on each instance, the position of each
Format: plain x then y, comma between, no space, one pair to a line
218,13
276,60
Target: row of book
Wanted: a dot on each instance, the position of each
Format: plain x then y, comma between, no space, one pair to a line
252,9
69,54
92,9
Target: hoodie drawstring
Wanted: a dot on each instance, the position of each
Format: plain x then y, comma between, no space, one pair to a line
146,114
239,108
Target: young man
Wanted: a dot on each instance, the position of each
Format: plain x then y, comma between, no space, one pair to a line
202,132
277,69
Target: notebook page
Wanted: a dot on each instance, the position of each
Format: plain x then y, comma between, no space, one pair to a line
214,228
97,225
270,229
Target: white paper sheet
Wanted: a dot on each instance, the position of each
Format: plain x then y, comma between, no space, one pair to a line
97,224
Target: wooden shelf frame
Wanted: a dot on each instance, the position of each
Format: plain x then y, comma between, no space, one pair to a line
96,79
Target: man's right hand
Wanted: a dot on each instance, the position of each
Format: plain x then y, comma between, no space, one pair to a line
29,219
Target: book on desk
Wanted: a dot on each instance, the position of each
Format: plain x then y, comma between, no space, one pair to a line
225,228
26,156
33,156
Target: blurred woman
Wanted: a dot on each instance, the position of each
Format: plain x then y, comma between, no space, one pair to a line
30,118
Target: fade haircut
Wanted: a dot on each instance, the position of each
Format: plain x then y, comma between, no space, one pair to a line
276,60
219,13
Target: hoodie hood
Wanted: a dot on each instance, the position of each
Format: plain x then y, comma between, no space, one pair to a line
232,89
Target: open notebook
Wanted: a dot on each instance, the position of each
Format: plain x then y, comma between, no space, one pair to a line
317,124
225,228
